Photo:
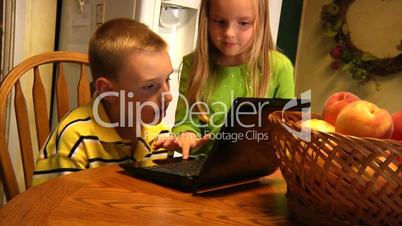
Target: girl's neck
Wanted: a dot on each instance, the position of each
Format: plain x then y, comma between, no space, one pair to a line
224,60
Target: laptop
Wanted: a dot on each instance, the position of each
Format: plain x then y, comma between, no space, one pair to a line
241,152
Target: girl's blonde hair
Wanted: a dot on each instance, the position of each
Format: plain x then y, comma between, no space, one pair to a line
205,56
114,40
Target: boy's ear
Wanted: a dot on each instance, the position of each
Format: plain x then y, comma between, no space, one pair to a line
103,85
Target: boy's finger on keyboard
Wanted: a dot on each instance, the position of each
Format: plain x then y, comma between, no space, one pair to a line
158,143
170,144
162,140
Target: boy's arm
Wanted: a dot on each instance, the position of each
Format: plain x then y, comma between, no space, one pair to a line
59,159
50,168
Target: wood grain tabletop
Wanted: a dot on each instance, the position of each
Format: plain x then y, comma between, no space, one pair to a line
108,196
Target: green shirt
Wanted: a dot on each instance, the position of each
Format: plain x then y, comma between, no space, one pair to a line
229,85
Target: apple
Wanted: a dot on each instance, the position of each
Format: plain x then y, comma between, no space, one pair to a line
364,119
335,103
317,124
397,119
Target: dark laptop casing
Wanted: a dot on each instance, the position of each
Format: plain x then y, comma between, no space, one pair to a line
229,160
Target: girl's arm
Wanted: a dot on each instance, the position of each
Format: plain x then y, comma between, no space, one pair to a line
185,121
187,125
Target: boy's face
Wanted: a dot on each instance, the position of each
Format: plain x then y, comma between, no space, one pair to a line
144,78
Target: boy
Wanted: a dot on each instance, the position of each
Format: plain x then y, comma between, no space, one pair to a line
130,66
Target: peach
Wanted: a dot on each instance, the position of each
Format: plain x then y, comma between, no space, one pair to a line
335,103
397,119
364,119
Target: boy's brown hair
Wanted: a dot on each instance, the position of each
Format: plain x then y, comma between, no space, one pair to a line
114,39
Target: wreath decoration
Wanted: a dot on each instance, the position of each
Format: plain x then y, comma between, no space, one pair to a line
361,65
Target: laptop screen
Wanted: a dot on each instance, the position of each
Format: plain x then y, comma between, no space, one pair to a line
242,148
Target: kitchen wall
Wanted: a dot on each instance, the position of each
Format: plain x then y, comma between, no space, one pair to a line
34,33
313,70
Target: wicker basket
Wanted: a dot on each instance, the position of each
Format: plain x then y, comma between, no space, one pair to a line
336,179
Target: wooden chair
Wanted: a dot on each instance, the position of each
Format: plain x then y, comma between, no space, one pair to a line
12,82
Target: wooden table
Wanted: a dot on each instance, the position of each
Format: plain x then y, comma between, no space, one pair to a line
107,196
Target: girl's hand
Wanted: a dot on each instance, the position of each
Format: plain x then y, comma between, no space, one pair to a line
190,140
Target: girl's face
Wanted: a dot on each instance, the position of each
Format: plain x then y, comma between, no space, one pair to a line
231,25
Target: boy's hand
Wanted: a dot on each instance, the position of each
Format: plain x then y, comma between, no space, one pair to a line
167,142
185,141
190,140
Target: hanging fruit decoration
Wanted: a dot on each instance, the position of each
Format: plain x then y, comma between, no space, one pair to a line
346,56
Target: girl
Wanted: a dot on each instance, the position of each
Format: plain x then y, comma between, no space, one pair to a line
234,57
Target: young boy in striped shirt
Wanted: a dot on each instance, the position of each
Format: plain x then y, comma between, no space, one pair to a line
130,66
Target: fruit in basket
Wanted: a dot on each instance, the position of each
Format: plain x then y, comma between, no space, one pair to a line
397,119
364,119
317,124
335,103
399,158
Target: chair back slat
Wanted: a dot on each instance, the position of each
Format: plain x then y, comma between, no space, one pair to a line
8,177
84,93
61,93
40,107
21,113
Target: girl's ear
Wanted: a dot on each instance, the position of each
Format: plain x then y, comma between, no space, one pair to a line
103,85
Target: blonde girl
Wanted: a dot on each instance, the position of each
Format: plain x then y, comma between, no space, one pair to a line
234,57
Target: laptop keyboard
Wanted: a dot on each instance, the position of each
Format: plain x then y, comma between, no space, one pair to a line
182,168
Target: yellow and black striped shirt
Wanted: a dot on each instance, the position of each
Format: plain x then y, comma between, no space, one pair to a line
79,142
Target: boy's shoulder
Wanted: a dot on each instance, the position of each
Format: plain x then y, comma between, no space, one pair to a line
82,122
76,119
